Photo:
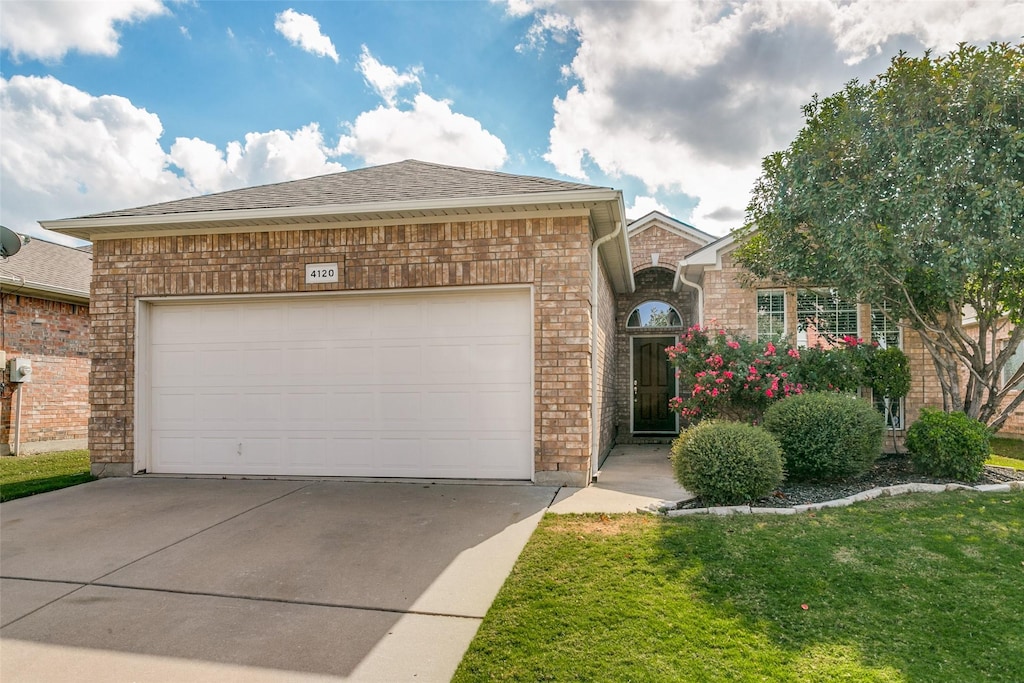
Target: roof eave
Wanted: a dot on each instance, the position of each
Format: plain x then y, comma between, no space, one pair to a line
16,285
89,227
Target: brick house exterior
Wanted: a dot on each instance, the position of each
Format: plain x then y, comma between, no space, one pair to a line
180,384
405,228
44,297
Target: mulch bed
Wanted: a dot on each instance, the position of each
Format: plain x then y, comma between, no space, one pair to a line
890,470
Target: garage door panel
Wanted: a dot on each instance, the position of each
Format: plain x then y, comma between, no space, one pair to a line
403,409
410,386
352,363
451,407
397,456
260,451
174,450
219,323
214,453
173,409
259,407
217,409
306,408
173,367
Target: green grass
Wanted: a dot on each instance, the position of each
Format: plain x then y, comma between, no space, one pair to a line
31,474
1005,462
1008,448
915,588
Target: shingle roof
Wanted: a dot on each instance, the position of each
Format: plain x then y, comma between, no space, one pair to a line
48,267
401,181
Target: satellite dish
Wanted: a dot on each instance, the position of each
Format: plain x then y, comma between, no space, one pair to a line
10,242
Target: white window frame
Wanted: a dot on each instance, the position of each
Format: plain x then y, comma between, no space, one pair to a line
767,312
639,314
827,303
887,328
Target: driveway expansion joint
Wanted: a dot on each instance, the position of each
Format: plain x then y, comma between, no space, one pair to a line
200,531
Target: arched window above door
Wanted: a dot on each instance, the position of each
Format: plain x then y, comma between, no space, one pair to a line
654,314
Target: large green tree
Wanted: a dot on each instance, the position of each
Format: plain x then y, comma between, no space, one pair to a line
908,192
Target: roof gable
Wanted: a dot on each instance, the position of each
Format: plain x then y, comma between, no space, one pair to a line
658,219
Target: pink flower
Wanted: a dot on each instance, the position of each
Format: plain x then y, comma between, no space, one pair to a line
768,393
733,344
727,374
769,350
793,353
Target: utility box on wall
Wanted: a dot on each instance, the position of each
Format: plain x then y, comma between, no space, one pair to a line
20,370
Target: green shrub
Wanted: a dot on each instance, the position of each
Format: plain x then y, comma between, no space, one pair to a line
826,436
949,445
727,463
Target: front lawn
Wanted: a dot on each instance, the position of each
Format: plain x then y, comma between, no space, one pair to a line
914,588
1012,449
30,474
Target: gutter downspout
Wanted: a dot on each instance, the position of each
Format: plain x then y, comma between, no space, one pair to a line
595,435
700,292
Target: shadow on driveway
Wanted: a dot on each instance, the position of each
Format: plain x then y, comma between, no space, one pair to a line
325,577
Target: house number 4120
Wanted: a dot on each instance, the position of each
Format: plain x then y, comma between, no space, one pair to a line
317,273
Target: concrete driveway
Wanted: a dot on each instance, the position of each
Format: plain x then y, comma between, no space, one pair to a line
157,579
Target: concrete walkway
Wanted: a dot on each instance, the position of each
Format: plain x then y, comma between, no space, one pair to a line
631,478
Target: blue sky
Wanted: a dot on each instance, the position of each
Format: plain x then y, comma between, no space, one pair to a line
111,105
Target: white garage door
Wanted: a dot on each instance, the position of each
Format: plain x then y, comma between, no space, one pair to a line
425,385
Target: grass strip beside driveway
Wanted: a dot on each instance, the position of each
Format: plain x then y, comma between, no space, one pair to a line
31,474
913,588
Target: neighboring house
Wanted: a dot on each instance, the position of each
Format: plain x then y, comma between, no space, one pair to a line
405,320
44,301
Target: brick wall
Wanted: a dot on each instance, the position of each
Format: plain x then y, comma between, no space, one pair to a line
730,306
651,284
669,246
552,254
54,405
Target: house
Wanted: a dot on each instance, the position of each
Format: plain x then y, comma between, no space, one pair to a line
44,303
405,320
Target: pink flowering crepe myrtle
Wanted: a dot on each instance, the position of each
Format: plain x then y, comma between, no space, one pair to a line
725,375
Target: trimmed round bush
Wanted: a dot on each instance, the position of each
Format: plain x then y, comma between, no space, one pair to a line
727,463
949,445
826,436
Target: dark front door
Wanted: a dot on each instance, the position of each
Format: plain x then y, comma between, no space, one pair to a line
654,383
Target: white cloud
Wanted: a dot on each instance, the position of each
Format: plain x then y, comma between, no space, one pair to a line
429,131
41,29
269,157
68,153
303,30
689,97
422,128
384,79
644,205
